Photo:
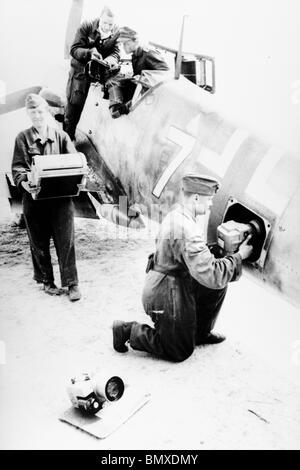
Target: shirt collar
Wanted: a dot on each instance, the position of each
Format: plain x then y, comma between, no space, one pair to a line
187,213
102,35
49,135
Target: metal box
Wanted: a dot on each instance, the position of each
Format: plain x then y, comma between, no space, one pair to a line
54,176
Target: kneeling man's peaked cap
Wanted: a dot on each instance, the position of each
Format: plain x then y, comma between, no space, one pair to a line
200,184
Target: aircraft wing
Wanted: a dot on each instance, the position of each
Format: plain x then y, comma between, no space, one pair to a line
16,100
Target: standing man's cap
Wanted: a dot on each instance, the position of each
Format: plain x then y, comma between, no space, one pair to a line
200,184
126,33
33,101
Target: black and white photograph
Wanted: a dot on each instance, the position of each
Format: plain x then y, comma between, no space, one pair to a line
149,227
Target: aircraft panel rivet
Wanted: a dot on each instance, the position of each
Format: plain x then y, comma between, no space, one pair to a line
96,104
90,131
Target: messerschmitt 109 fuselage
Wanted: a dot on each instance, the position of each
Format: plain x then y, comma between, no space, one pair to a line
169,132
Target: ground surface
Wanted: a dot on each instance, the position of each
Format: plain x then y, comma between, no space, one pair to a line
229,396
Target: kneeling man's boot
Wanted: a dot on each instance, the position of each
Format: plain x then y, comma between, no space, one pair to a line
212,338
121,334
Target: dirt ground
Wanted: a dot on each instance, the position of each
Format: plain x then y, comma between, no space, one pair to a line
223,397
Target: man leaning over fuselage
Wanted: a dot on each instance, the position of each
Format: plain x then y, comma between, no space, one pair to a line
142,58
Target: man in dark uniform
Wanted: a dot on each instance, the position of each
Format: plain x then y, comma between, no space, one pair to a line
94,39
186,285
143,58
49,217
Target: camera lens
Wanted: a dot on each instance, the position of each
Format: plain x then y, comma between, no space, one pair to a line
114,388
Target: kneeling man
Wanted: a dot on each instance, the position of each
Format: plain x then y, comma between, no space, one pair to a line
185,285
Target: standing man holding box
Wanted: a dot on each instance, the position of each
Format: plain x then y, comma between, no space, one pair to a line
49,217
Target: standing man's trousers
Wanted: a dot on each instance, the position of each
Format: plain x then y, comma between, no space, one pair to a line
72,117
183,312
77,91
45,219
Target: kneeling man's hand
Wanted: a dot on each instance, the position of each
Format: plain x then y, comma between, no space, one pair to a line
245,249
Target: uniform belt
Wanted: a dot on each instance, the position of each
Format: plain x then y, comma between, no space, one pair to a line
170,272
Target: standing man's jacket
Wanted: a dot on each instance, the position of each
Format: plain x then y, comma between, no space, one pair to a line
28,144
87,37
